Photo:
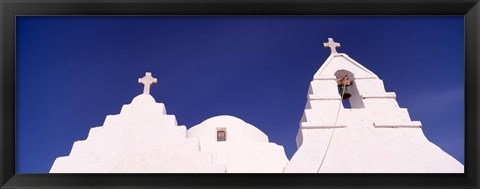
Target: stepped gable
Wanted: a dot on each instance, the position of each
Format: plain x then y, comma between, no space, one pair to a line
367,133
143,138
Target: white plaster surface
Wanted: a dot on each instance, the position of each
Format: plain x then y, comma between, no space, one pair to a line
141,139
246,149
374,136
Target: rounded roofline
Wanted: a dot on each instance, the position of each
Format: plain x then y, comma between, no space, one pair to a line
237,129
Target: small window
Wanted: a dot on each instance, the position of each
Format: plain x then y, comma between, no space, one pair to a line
221,134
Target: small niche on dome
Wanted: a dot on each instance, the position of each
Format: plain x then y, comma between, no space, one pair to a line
221,134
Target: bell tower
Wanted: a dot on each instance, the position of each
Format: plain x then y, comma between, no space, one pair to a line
351,124
365,91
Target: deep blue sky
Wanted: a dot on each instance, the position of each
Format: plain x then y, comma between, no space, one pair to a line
74,71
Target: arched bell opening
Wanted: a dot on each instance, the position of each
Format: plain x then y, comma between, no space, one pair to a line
347,89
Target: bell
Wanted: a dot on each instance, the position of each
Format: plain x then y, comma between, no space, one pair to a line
344,92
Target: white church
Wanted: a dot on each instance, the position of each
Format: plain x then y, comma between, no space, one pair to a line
350,125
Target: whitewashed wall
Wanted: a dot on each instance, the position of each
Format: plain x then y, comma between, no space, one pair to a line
246,149
141,139
375,135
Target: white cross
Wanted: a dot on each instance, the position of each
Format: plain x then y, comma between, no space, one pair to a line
332,45
147,80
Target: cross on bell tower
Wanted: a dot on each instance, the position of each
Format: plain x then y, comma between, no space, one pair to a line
332,45
147,80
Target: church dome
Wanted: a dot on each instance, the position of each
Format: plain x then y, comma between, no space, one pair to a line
226,128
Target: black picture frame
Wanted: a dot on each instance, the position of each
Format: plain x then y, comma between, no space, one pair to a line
12,8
